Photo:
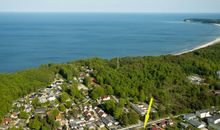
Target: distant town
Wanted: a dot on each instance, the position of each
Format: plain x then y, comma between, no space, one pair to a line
64,112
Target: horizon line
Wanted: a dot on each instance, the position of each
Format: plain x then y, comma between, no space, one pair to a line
108,12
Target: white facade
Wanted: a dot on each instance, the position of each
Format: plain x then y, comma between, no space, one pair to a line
203,114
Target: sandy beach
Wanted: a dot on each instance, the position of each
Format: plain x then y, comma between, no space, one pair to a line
201,46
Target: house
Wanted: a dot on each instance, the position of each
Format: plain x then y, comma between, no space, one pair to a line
40,111
59,82
163,124
91,126
100,112
58,117
106,121
216,92
184,125
100,124
196,123
138,109
6,121
154,128
89,118
203,113
112,120
51,98
104,98
27,108
169,122
73,125
21,122
189,116
214,119
14,115
42,98
3,127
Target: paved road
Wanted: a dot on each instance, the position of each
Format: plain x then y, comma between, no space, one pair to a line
141,124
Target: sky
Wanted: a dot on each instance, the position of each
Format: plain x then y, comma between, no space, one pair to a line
169,6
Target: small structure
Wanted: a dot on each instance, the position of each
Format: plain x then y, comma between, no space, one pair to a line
106,121
169,122
197,123
40,111
100,124
163,124
82,87
189,116
140,109
104,98
6,121
203,113
184,125
195,79
91,126
14,115
59,82
214,119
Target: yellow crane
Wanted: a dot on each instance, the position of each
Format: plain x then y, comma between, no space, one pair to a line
148,113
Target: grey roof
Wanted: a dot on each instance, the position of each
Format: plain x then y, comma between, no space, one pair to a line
105,120
189,115
40,110
196,123
202,111
215,117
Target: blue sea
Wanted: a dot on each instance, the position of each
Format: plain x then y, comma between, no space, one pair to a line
30,39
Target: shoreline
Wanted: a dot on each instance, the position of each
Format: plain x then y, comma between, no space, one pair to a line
217,40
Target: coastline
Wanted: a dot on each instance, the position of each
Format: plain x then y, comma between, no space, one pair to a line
217,40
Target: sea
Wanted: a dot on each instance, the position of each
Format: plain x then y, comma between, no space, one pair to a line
28,40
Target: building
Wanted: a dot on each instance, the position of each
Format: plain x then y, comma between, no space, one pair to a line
140,109
104,98
40,111
197,124
214,119
189,116
203,113
183,125
195,79
106,121
100,124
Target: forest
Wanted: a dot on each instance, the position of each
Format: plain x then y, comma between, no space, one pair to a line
134,79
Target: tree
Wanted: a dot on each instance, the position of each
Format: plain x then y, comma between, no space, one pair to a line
23,115
64,97
122,102
86,81
34,124
110,106
62,108
133,117
109,90
35,102
142,96
135,100
97,92
54,112
124,120
118,111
